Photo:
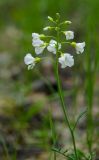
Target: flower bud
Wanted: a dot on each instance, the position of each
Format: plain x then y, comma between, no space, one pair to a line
57,28
73,44
57,15
67,22
47,28
37,59
42,36
50,18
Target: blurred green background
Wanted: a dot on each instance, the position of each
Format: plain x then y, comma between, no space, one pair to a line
25,95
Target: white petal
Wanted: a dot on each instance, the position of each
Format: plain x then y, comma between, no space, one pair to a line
69,35
69,60
52,49
80,47
35,35
66,60
61,60
53,42
39,50
28,59
83,44
37,42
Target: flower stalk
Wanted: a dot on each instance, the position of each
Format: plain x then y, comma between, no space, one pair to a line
62,98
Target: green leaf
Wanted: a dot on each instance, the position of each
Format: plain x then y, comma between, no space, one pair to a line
79,117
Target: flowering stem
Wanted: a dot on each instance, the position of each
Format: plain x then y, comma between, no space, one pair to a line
49,37
66,43
62,98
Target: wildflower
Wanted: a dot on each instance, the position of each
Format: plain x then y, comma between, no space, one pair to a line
29,60
52,46
79,47
37,42
66,60
69,35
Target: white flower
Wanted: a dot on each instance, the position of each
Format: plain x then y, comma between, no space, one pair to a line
52,46
80,47
69,35
29,60
66,60
39,45
37,42
35,35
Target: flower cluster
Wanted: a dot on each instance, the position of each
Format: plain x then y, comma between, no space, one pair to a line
38,43
53,46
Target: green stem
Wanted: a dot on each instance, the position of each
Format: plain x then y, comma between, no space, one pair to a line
53,132
54,155
66,43
62,98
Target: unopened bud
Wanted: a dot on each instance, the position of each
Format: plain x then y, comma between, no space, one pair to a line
50,18
47,28
37,59
67,22
57,15
73,44
42,36
57,28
